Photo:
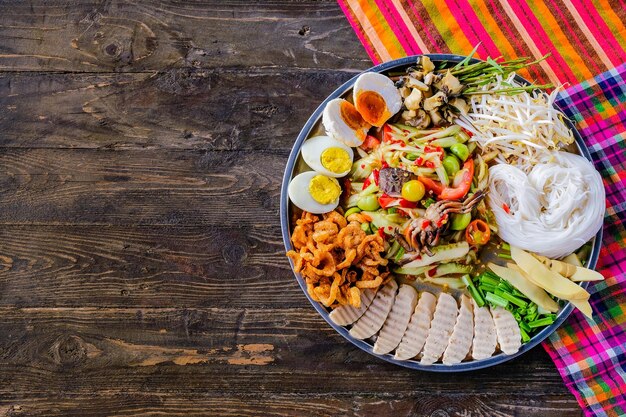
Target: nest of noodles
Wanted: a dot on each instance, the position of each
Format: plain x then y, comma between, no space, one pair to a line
337,258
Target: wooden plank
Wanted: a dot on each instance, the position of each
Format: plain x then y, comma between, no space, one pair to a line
147,266
183,404
185,108
88,35
254,352
147,188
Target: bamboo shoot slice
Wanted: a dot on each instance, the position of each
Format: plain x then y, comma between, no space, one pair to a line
518,279
547,279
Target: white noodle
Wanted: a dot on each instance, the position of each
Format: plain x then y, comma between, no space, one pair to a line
553,210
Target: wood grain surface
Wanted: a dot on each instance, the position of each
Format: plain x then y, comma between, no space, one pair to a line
142,272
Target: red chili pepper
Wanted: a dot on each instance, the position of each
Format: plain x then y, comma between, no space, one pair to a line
385,200
381,232
477,233
376,176
366,183
407,204
470,134
370,143
385,165
362,166
429,164
419,161
432,272
443,220
506,208
425,224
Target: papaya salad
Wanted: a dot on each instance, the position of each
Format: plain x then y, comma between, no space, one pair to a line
445,218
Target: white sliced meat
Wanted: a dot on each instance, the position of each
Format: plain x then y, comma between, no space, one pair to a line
441,328
417,331
397,320
484,343
374,317
509,336
348,314
462,335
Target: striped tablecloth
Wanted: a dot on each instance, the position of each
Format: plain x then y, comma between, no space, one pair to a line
587,40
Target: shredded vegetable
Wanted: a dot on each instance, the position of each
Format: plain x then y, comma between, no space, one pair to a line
521,128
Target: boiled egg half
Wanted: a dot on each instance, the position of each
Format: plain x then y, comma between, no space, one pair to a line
327,156
314,192
376,98
344,123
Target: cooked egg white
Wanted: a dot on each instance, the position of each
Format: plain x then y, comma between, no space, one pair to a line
344,123
376,98
327,156
314,192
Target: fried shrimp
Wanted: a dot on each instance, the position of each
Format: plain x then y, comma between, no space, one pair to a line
337,258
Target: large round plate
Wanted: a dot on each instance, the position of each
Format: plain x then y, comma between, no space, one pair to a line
296,165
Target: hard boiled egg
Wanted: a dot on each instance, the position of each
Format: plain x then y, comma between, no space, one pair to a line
344,123
327,156
314,192
376,98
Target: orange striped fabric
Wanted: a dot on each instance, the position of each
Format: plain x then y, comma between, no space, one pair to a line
585,37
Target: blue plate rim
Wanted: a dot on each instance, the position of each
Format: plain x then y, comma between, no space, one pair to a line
563,314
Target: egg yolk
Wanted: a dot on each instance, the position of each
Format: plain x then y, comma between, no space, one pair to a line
324,189
336,160
353,119
372,107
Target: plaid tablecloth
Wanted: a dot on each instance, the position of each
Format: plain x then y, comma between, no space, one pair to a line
587,40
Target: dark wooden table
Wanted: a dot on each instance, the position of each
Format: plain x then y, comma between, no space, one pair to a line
141,265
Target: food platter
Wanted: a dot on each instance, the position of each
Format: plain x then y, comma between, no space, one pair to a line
295,165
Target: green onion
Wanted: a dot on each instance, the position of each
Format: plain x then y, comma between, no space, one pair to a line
524,326
412,156
504,285
496,300
506,246
392,210
485,278
487,287
504,256
467,280
515,300
525,337
352,211
546,321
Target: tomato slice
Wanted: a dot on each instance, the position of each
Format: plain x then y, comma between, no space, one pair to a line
370,143
385,200
452,193
477,233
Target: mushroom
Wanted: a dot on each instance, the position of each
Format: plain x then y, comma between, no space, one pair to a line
460,105
435,101
421,120
415,83
426,64
450,85
405,92
412,102
408,115
436,118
